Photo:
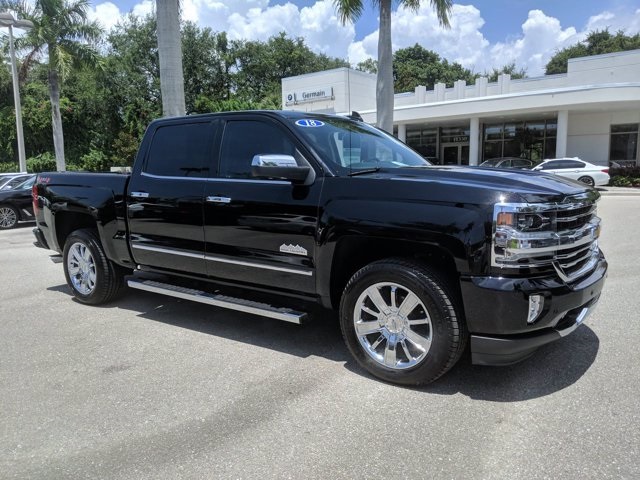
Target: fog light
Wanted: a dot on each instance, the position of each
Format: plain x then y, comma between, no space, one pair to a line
536,303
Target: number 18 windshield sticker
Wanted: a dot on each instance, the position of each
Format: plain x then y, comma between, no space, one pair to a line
307,122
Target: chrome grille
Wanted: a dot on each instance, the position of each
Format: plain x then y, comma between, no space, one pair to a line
573,265
573,262
574,218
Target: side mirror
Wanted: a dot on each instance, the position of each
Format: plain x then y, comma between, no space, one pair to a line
279,167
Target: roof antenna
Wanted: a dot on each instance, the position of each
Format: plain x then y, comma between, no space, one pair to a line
356,116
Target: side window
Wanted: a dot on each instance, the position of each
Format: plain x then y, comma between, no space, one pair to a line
573,164
182,150
550,166
243,139
521,163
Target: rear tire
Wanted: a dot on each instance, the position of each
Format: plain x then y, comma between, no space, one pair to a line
9,217
587,180
402,321
92,277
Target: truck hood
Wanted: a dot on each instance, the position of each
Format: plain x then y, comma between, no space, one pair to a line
505,185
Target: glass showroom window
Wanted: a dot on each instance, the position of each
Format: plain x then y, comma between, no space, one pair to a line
423,140
535,140
624,144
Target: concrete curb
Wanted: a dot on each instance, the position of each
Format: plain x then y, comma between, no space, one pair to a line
619,191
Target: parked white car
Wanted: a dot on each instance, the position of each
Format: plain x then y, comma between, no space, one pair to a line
576,169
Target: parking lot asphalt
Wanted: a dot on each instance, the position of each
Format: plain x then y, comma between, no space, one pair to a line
151,387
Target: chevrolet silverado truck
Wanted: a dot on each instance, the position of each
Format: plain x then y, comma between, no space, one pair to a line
271,213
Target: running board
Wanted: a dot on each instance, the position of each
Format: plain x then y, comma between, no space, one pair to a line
222,301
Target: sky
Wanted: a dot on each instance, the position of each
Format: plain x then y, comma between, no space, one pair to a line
484,34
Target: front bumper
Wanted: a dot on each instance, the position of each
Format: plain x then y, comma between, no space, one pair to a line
496,310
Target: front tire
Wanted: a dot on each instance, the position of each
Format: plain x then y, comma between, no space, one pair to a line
402,322
92,277
9,217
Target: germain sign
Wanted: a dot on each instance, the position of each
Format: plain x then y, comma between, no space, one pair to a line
312,95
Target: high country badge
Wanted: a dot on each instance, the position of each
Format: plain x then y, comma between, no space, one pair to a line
295,250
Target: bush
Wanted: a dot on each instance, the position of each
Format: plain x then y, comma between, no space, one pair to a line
45,162
620,181
95,161
9,167
630,172
624,176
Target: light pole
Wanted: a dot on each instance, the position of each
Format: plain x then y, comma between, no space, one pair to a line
7,20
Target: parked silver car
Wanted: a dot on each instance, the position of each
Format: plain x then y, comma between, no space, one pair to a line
508,162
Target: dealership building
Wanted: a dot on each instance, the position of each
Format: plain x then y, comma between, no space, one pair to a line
591,112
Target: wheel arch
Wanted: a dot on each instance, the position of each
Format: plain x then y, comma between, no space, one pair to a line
67,221
353,253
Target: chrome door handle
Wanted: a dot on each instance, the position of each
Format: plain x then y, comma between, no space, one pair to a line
218,199
139,194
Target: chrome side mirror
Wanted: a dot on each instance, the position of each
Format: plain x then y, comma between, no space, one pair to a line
279,167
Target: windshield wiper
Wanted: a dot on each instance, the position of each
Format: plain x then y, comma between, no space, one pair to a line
364,171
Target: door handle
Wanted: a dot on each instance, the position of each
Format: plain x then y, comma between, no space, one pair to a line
218,200
139,194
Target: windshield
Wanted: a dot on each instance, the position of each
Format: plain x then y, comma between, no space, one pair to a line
26,184
350,146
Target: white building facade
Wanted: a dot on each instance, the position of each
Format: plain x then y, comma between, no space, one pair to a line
591,112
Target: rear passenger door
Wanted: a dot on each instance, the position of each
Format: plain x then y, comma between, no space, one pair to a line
165,196
260,230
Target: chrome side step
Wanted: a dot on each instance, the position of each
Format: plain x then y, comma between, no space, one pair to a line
222,301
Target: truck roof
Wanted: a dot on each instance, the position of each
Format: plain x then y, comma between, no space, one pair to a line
288,114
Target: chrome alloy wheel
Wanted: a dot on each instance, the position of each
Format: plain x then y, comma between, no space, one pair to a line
82,268
392,325
7,217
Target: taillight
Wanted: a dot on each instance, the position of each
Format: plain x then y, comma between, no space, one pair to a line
34,197
605,170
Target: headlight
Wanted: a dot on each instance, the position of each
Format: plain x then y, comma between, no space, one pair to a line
539,235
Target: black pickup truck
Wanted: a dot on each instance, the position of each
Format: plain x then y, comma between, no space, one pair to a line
270,213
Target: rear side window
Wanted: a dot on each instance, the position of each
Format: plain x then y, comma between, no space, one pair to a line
572,164
182,150
521,163
243,139
551,165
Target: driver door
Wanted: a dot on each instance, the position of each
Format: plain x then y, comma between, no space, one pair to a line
260,230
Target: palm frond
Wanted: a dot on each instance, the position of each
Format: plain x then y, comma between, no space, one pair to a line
348,10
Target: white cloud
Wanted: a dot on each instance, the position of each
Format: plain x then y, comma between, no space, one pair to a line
317,24
144,8
540,37
106,14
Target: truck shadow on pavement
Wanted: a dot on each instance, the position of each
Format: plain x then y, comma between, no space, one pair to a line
552,368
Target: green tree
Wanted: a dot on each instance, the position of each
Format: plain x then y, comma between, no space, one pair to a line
207,63
369,65
132,76
596,43
62,32
260,66
510,68
416,65
350,10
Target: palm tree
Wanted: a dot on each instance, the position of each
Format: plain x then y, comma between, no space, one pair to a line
350,11
170,56
62,33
